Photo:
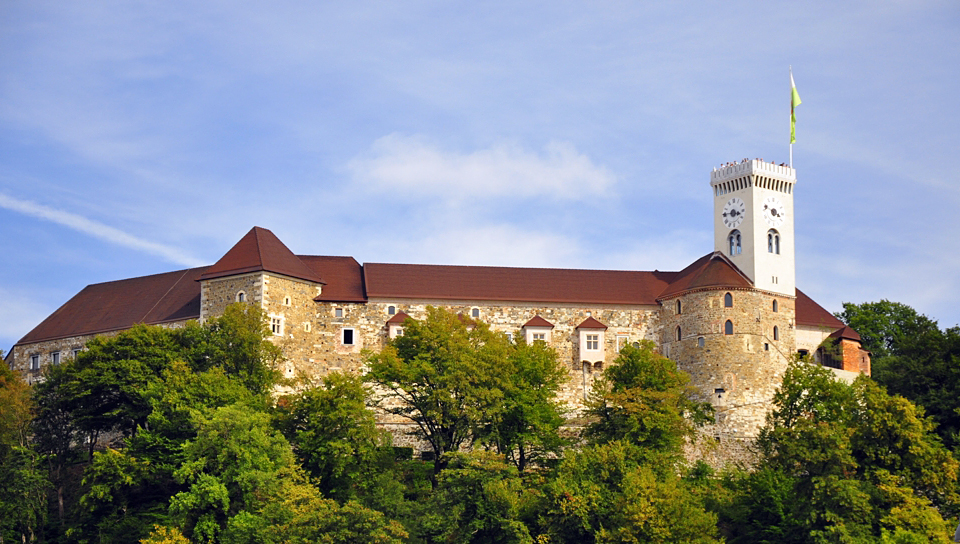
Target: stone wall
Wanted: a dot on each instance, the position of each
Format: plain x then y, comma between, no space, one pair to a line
218,293
738,372
21,354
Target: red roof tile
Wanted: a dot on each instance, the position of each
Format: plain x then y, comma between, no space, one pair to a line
591,323
117,305
812,314
537,321
400,317
846,333
260,250
712,271
343,276
550,285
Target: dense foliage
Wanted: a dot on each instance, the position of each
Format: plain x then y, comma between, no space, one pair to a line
164,435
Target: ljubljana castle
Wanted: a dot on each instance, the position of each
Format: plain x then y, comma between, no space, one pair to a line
732,319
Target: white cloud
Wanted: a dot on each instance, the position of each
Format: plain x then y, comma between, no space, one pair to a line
97,230
410,165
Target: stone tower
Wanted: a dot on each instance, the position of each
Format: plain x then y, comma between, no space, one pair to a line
753,222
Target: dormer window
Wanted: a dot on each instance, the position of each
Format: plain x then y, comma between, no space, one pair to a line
537,328
591,334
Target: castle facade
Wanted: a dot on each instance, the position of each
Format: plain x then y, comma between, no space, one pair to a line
732,319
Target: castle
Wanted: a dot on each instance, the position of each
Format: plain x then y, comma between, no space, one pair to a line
732,319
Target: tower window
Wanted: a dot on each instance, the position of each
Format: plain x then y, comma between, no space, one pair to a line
728,300
775,306
773,242
776,333
679,307
736,247
728,327
679,334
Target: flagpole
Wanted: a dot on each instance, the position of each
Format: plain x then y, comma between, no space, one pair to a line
791,116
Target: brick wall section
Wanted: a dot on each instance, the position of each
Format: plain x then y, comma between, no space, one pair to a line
738,373
855,358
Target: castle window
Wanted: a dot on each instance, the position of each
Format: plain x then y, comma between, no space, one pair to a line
736,247
775,306
679,307
276,325
241,297
776,333
593,342
475,313
34,362
348,337
701,341
76,351
391,310
773,242
679,334
622,340
286,301
338,312
55,357
728,300
728,327
306,327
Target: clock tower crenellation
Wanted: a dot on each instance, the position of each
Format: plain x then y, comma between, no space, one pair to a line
753,221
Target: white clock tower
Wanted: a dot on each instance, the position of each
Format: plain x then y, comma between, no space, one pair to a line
753,221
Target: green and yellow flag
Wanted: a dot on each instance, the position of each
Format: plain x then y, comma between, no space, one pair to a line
794,102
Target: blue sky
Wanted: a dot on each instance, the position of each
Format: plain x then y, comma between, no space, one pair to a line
143,137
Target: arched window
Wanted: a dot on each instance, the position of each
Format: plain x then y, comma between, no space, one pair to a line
728,327
775,306
773,241
391,310
241,296
728,300
679,334
776,333
734,242
679,307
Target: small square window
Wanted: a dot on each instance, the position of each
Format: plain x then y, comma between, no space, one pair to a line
55,357
542,336
276,325
399,331
593,342
391,310
475,313
338,312
348,339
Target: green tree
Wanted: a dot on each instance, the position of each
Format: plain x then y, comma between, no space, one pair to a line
912,357
605,493
444,373
22,483
334,434
844,463
645,400
525,427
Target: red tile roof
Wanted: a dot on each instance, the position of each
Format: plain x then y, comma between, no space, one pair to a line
712,271
591,323
812,314
260,250
117,305
343,276
400,317
846,333
537,321
551,285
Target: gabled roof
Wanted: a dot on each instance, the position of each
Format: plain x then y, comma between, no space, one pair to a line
551,285
591,323
712,271
812,314
260,250
118,305
537,321
400,317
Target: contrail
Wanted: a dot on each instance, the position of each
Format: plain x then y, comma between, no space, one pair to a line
97,230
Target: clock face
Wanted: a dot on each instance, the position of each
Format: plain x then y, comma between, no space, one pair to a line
733,213
773,211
